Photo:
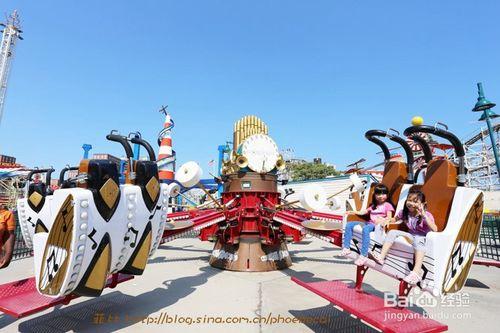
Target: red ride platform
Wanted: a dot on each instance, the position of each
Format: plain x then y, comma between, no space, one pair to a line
371,309
487,263
20,298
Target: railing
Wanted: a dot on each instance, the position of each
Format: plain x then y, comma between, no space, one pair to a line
489,238
20,249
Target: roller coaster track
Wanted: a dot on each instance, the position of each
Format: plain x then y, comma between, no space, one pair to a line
480,162
481,134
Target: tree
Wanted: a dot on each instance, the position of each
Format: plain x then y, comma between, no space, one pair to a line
309,170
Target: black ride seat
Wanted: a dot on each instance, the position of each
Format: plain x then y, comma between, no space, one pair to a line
36,196
103,180
147,179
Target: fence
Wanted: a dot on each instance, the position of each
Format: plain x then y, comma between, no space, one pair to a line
489,238
20,249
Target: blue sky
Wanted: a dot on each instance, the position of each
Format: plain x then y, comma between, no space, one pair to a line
319,73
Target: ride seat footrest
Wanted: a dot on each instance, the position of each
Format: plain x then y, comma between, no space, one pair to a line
371,309
21,298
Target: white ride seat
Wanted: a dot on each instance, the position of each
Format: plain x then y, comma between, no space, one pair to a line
449,251
98,230
34,208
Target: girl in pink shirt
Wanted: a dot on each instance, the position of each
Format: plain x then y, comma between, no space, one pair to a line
380,210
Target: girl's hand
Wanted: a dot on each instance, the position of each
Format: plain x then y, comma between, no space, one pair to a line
394,221
420,209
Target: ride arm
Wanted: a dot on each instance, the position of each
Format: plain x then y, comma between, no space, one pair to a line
371,136
123,140
33,172
146,145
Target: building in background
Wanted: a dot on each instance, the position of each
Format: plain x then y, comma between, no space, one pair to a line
99,156
7,160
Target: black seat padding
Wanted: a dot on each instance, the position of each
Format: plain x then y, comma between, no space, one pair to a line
99,172
145,171
41,189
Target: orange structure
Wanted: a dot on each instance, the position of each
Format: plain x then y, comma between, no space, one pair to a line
166,156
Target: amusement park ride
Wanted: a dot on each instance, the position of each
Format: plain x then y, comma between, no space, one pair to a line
251,224
94,232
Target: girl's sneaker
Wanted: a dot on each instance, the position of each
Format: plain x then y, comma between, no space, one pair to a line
361,261
412,278
345,252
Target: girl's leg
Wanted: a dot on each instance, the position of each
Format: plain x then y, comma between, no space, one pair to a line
385,248
389,240
419,246
365,243
419,258
346,243
365,240
383,252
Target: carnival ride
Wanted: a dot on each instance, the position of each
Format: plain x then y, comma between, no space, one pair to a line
94,232
449,251
82,244
91,233
456,208
251,223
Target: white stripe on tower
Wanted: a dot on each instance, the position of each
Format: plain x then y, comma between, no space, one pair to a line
166,171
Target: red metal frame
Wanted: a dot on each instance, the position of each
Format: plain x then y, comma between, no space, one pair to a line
487,263
360,274
252,213
404,287
404,291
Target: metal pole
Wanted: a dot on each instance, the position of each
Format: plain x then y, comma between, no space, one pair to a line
222,150
86,149
493,143
137,151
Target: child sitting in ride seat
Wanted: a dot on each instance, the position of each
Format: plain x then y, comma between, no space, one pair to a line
380,211
419,222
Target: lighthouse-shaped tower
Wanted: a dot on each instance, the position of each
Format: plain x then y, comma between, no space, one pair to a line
166,156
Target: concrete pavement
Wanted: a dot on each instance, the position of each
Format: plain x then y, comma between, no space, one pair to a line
180,289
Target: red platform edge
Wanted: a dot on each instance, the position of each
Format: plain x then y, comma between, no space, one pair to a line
21,298
371,309
487,263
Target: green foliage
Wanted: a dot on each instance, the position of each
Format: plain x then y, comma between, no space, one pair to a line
309,170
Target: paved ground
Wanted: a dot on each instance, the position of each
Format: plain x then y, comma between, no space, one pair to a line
179,282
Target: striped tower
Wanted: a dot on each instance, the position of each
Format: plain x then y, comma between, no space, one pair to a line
166,156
